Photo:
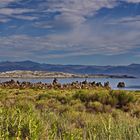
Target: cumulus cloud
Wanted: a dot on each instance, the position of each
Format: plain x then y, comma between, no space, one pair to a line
5,2
11,11
75,12
77,42
4,20
129,21
72,12
132,1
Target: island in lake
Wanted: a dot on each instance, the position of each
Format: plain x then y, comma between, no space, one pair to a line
45,74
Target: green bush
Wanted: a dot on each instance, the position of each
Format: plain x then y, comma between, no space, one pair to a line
43,96
63,99
96,106
123,98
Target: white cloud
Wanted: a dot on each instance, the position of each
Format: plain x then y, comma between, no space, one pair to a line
83,38
14,12
11,11
131,21
75,12
132,1
4,3
75,43
3,20
72,12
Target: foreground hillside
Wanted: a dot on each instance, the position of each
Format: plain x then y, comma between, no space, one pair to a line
37,114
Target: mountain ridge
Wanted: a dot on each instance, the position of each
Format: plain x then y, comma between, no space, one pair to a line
132,69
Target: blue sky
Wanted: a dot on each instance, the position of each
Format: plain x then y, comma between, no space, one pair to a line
101,32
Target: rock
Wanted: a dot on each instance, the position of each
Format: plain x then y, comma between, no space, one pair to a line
84,82
99,84
55,81
107,85
121,85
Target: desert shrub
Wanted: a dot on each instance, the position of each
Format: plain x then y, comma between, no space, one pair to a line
101,97
134,110
43,96
123,98
24,105
107,108
63,99
61,109
16,124
91,97
40,106
85,115
52,104
136,113
112,101
95,106
47,94
83,96
77,105
87,96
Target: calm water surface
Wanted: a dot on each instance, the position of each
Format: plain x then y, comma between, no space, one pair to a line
131,84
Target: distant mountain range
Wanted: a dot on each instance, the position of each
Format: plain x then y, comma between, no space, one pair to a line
131,70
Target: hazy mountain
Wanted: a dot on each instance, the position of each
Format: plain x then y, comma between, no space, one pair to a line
132,70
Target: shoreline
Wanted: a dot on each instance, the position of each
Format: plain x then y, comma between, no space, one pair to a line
49,75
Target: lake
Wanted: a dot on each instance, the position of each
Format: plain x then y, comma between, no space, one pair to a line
131,84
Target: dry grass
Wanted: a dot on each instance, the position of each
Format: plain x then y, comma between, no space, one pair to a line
69,114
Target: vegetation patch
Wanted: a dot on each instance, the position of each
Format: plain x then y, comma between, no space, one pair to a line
74,114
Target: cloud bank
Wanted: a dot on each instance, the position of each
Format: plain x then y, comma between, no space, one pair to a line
47,29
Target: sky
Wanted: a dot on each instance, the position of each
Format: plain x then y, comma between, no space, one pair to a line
89,32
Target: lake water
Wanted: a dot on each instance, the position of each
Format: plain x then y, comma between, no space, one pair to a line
131,84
